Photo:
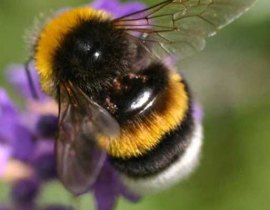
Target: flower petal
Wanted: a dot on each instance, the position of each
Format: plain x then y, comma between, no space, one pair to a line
197,112
7,107
25,191
16,75
106,188
116,8
127,194
5,153
23,144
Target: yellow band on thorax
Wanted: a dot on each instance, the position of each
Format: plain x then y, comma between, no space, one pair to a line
52,36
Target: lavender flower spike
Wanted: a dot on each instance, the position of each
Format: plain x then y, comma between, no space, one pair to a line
27,138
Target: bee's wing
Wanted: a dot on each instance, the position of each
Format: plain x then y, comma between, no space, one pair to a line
181,26
81,120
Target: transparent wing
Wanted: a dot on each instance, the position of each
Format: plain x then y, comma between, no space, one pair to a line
79,158
181,26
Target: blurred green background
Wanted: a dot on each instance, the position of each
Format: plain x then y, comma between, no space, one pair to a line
230,78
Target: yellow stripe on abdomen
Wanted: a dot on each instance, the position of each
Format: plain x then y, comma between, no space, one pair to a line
144,134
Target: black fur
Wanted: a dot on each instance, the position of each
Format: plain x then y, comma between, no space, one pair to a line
153,80
92,54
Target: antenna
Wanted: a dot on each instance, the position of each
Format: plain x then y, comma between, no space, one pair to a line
30,79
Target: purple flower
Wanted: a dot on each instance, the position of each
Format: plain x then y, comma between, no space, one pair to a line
25,191
17,77
8,122
27,138
116,8
34,147
5,154
45,166
197,112
108,188
8,118
46,126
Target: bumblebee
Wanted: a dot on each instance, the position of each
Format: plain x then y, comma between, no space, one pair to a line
118,99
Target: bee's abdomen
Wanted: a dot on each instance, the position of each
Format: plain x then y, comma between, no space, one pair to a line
160,147
170,147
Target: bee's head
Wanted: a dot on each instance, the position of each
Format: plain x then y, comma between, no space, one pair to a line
81,45
93,52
